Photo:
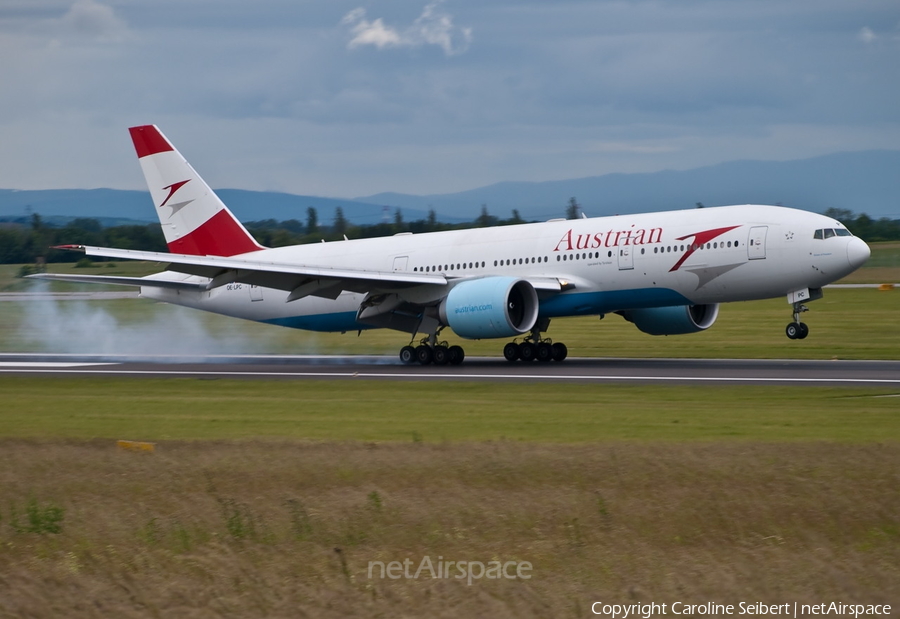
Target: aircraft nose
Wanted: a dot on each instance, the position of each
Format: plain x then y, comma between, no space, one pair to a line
857,252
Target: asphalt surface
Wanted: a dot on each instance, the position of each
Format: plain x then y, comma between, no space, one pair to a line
583,370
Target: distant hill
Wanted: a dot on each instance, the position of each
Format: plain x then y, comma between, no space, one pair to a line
866,181
863,182
114,206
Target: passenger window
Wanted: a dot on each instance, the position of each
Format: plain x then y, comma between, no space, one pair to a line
829,233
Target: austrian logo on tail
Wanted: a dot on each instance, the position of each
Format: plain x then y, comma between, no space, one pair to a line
172,189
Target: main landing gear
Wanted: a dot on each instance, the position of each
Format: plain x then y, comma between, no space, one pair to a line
436,353
797,330
535,348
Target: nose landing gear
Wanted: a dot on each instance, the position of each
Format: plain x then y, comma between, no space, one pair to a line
797,330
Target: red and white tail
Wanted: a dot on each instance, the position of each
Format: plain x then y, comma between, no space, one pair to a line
194,220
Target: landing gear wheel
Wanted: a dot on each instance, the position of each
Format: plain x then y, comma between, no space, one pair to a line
560,352
544,352
407,355
424,354
804,331
527,351
511,351
793,330
456,354
440,355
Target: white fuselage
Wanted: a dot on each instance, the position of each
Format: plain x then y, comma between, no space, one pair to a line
605,264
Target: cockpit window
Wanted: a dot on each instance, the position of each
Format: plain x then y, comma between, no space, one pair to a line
827,233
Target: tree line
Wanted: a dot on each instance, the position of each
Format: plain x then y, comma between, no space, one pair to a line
30,240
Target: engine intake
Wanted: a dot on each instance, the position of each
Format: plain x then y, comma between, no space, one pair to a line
490,307
673,320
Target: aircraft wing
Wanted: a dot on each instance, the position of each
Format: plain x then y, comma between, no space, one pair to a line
299,280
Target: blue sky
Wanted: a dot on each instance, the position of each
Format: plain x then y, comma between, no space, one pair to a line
350,98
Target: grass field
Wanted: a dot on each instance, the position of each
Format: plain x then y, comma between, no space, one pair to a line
271,498
288,529
192,409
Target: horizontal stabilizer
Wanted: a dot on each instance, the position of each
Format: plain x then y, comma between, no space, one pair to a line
118,281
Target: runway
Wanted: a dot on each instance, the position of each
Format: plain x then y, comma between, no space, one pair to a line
372,367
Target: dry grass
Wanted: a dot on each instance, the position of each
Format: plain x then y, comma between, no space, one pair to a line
251,528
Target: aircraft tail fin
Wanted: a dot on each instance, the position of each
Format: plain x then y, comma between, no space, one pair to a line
193,218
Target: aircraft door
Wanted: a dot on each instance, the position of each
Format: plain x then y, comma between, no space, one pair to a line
255,293
626,257
756,244
400,263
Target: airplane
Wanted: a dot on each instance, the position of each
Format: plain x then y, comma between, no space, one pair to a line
665,272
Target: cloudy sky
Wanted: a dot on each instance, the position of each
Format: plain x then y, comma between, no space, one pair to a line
348,98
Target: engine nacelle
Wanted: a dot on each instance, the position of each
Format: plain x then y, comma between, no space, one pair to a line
673,320
490,307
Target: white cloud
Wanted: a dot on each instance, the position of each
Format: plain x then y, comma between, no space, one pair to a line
94,19
370,33
867,36
432,27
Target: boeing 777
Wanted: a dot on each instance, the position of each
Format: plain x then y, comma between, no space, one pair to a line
666,272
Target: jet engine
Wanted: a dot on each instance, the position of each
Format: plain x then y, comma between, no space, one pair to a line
673,320
490,307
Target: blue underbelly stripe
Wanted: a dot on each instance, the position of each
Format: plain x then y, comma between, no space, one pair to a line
339,321
603,302
568,304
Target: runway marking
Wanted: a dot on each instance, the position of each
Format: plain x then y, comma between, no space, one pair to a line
488,377
49,364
